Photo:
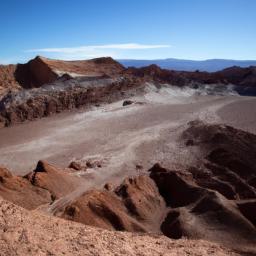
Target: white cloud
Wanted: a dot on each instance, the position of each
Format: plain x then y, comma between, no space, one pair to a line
90,49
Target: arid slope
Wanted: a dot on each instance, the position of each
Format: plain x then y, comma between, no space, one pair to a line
32,233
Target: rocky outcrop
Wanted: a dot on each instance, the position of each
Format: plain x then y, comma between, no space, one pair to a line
97,67
156,74
127,102
233,75
215,198
40,71
201,213
18,107
227,154
58,182
21,192
101,209
42,186
134,206
137,205
35,73
195,210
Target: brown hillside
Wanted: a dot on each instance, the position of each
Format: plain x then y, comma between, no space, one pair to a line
40,70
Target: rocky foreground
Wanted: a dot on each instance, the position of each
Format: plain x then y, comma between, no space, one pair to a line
214,200
32,233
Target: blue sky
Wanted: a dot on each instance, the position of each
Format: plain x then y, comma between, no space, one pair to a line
139,29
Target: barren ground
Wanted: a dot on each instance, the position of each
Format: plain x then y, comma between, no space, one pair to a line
119,136
124,140
32,233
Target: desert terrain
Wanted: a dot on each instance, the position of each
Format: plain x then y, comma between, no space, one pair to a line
157,162
109,131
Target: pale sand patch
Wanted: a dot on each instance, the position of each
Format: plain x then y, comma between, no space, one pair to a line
111,131
241,114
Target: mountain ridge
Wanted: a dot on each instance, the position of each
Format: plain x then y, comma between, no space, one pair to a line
209,65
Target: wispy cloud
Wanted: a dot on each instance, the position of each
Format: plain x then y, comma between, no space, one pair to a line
117,51
93,48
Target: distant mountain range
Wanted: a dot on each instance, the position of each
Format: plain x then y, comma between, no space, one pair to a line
211,65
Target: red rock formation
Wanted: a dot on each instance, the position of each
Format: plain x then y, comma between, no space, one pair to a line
101,209
21,192
56,181
40,71
105,66
134,206
35,73
142,199
45,184
201,213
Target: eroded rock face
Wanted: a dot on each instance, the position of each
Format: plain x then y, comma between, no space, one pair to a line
56,181
40,71
105,66
233,75
201,213
21,192
35,73
133,206
245,77
16,107
227,159
101,209
42,186
215,198
158,75
142,199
